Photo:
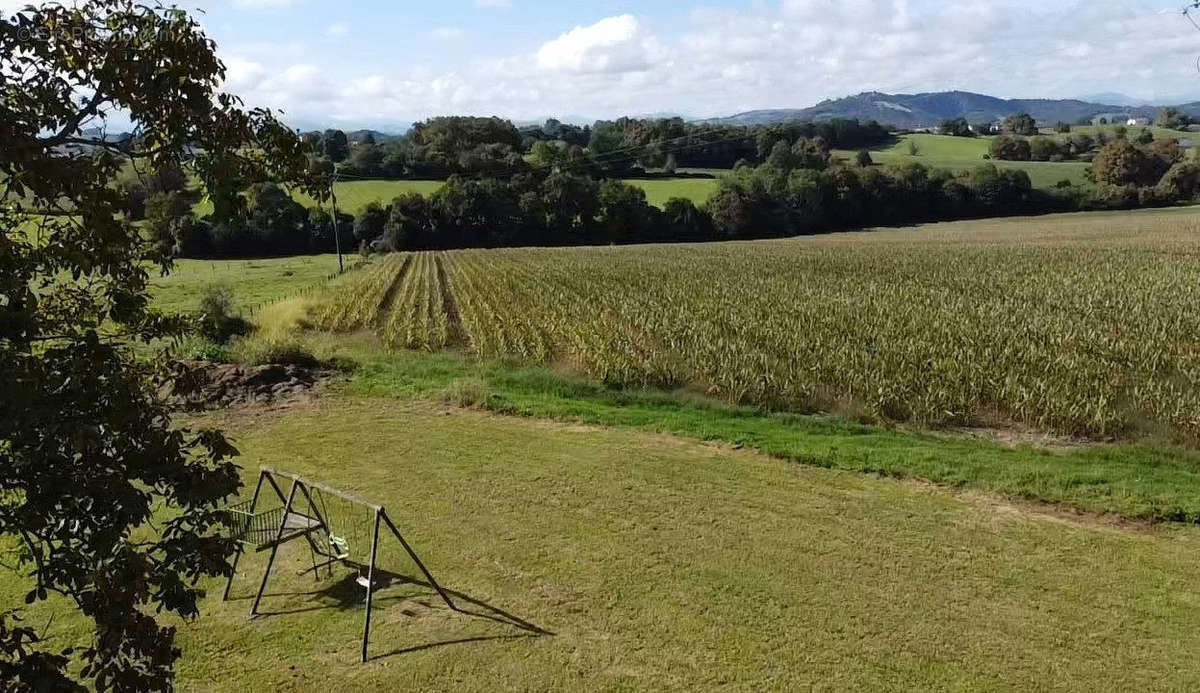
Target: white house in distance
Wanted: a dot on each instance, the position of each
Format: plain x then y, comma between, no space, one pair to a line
1137,122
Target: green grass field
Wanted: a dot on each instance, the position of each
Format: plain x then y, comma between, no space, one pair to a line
966,153
354,195
698,190
254,282
659,563
1131,131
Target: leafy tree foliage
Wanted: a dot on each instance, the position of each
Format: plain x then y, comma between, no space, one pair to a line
1181,181
956,127
1045,149
1121,163
370,223
335,145
1173,118
86,450
1021,124
556,131
1009,148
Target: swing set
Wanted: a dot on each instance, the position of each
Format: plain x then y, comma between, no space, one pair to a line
304,513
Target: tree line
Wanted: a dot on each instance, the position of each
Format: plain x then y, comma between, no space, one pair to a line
1079,146
493,147
798,189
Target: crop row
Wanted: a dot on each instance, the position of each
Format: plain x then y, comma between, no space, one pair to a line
1087,334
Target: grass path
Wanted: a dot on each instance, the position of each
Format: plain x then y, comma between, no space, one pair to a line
663,564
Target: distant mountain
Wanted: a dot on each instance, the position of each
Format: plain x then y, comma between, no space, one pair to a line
929,110
104,135
577,120
1114,97
380,137
381,129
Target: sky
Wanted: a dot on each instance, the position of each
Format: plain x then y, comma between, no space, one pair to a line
385,63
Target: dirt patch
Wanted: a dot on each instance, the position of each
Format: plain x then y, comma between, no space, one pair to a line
207,386
1001,508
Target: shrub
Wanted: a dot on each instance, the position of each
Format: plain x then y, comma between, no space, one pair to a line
863,158
1009,148
217,321
283,351
1182,181
466,393
1120,163
195,349
1044,149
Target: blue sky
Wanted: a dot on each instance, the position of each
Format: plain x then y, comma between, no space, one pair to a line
379,63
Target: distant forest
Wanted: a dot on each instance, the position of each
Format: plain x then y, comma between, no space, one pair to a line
488,147
559,184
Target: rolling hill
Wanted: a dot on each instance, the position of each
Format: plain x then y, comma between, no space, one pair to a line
928,110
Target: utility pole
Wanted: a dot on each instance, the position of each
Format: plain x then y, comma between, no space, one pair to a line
337,237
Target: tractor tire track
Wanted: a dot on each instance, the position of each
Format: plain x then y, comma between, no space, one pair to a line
456,335
389,297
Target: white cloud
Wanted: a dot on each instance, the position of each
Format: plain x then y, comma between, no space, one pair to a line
338,29
614,45
793,53
243,75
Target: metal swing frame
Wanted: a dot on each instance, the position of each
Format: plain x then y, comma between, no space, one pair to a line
270,529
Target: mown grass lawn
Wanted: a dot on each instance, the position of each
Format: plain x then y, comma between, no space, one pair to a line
663,564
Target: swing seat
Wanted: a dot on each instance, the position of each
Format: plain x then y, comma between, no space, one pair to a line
267,529
341,548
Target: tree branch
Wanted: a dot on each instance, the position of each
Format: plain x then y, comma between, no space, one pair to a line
64,135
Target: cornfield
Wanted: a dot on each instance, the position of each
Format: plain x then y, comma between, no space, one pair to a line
1080,325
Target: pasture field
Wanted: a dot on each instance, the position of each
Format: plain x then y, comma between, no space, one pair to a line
353,196
254,282
966,153
1131,130
663,564
1077,324
658,192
